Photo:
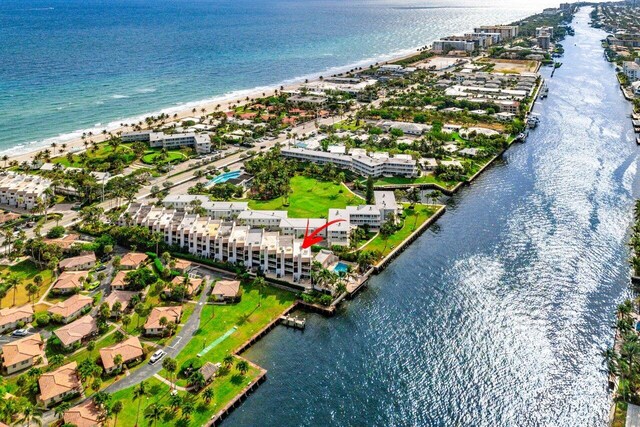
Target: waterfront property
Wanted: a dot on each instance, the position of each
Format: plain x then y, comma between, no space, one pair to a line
22,190
199,141
226,291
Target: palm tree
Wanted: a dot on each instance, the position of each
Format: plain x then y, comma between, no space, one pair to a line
170,365
116,408
208,394
154,412
259,283
242,366
187,409
61,409
12,283
175,401
31,414
139,392
228,360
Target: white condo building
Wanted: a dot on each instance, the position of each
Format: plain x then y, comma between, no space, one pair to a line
200,141
21,190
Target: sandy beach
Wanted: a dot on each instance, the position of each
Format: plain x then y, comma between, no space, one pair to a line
76,145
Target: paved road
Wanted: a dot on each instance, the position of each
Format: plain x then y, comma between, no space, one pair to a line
177,344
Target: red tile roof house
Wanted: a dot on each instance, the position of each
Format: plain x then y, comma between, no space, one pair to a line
130,350
82,262
191,289
23,353
65,243
118,281
123,297
86,414
153,327
77,331
69,282
182,265
57,385
226,291
10,318
132,260
71,308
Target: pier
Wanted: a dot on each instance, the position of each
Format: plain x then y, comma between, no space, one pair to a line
293,321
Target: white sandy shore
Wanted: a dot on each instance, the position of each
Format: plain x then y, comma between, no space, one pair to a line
76,145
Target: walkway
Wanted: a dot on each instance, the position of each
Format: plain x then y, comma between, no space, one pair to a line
177,344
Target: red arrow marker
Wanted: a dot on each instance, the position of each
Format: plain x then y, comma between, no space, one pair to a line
313,238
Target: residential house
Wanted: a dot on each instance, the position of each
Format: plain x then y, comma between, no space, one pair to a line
10,318
71,308
133,260
22,354
69,282
192,287
123,297
57,385
226,291
130,350
182,265
153,325
86,414
77,331
82,262
118,282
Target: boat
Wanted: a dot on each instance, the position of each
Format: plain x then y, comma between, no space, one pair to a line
638,139
533,122
522,137
544,91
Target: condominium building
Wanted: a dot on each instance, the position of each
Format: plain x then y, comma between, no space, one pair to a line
22,191
444,46
507,32
216,210
200,141
631,69
358,161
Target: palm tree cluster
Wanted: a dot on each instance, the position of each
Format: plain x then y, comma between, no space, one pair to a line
635,241
623,360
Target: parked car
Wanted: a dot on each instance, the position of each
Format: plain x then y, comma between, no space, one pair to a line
20,333
101,268
157,356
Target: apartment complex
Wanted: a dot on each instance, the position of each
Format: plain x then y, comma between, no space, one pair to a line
507,32
631,69
200,141
359,161
22,191
268,241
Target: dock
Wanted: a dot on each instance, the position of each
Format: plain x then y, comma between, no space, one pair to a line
293,321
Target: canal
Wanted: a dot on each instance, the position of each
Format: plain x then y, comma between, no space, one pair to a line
499,313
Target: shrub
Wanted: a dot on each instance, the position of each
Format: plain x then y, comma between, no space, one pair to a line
189,366
42,319
56,232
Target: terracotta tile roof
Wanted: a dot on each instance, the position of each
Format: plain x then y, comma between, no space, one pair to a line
23,349
182,264
128,349
77,330
133,259
171,313
70,280
67,307
118,280
62,380
63,242
86,414
124,297
227,288
194,283
76,261
15,314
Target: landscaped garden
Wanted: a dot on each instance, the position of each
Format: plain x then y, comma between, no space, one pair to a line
310,198
24,273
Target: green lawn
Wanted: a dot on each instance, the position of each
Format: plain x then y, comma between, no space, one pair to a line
349,125
216,320
103,151
151,157
226,387
25,271
424,179
310,198
413,219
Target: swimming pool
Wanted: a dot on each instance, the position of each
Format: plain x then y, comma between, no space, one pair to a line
225,177
341,267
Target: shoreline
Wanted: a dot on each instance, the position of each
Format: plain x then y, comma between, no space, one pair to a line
74,143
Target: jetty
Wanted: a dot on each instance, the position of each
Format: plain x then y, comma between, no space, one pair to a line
293,321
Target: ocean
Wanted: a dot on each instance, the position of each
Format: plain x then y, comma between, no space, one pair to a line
73,65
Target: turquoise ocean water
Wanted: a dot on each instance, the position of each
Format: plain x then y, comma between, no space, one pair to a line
71,65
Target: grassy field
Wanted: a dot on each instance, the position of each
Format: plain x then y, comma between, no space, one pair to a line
310,198
102,152
226,387
413,219
151,157
25,271
424,179
246,316
350,125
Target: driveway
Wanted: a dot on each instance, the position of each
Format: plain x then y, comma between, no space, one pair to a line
177,344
